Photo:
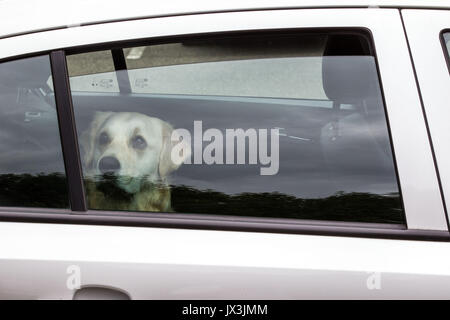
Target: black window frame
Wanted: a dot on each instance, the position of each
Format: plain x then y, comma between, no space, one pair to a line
80,214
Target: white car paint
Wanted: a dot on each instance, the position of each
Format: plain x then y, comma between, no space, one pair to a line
47,14
423,29
197,264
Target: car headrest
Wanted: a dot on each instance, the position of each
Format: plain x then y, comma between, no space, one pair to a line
348,70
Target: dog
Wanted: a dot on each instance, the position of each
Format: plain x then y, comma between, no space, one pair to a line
126,161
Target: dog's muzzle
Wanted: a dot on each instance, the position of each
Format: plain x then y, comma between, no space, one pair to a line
109,165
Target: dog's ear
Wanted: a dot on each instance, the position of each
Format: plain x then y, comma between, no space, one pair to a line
166,163
87,138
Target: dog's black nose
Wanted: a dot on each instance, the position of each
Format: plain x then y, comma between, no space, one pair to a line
109,165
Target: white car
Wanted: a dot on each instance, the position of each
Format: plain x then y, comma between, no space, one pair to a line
224,149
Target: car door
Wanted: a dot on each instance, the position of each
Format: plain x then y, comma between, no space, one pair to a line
367,241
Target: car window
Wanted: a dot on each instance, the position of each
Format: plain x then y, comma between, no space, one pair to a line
447,42
276,125
102,78
31,163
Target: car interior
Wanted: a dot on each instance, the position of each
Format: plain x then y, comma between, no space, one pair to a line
336,162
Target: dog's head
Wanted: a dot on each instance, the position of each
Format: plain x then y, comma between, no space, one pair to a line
131,147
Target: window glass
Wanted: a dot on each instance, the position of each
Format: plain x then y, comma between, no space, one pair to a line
31,163
102,78
447,42
282,125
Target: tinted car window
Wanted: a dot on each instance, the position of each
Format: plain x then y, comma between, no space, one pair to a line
447,42
284,125
103,77
31,162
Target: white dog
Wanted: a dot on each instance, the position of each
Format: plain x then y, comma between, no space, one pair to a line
134,151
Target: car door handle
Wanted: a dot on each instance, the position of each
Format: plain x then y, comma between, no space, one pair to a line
100,293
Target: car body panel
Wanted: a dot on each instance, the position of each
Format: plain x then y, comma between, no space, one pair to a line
158,263
430,58
61,14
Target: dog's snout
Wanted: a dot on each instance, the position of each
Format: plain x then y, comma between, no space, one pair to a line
109,165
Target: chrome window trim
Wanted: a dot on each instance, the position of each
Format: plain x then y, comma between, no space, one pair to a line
220,223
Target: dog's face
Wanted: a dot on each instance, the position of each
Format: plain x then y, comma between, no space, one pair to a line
131,147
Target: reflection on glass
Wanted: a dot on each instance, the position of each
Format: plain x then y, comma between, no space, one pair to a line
31,165
269,136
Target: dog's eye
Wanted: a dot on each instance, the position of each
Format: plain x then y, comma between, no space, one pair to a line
138,142
104,138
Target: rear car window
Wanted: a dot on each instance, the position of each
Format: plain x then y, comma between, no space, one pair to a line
31,163
447,42
281,125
